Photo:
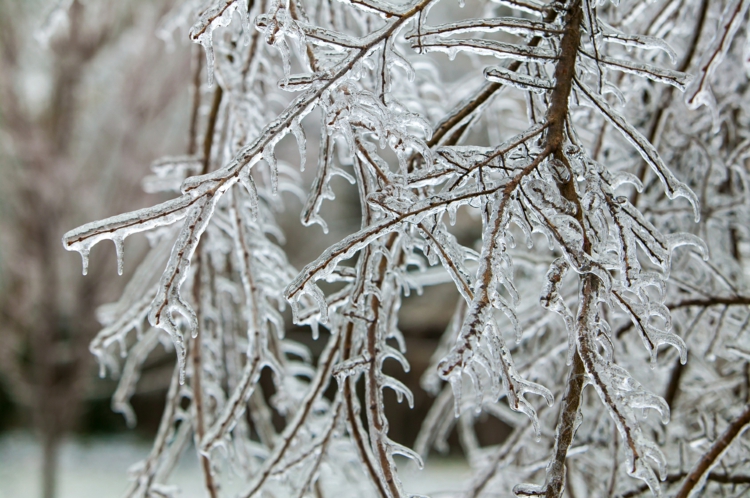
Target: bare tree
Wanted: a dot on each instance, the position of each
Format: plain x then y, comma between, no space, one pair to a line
48,125
616,183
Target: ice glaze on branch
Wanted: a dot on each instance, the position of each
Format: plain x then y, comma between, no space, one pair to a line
454,157
698,475
201,193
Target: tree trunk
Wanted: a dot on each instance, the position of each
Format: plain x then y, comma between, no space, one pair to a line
50,448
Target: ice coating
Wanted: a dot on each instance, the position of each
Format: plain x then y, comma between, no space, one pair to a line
456,181
217,16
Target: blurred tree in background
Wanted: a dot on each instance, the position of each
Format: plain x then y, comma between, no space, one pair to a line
85,104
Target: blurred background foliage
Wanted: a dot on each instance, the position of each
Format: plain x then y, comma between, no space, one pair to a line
84,108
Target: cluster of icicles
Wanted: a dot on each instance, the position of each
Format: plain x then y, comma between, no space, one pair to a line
575,181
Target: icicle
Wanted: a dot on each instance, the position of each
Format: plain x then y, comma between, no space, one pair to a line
118,241
688,239
455,382
299,134
314,291
270,157
206,41
400,389
247,181
202,32
399,449
84,251
452,210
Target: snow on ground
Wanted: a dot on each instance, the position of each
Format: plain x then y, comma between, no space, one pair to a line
96,467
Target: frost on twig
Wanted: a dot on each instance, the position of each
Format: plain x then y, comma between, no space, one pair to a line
590,190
